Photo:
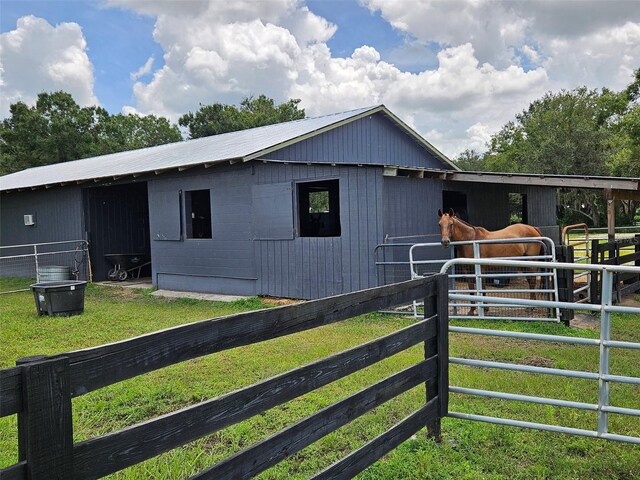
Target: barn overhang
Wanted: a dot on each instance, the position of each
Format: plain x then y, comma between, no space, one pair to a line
613,188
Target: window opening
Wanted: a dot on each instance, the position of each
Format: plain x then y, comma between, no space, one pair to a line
198,213
457,201
319,209
518,208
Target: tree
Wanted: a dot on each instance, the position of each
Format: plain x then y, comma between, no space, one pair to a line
56,129
577,132
470,160
253,112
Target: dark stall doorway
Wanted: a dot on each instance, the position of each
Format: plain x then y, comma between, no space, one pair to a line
117,222
456,201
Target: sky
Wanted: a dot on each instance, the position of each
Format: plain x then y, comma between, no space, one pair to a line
455,71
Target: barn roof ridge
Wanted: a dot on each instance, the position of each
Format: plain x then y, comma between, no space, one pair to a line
242,145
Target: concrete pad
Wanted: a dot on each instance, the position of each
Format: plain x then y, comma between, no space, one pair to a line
212,297
141,283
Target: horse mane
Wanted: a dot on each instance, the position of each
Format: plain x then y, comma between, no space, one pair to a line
455,215
475,229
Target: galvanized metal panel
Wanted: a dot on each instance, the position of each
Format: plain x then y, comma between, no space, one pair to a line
213,149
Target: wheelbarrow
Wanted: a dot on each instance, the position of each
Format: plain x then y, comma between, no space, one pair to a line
126,265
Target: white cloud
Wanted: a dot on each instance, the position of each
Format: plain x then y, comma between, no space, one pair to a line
219,52
38,57
223,53
578,42
481,61
143,70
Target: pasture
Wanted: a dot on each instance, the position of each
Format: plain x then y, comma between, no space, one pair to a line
469,449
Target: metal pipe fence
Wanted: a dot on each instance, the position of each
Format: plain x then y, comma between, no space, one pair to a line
603,376
21,265
577,236
492,281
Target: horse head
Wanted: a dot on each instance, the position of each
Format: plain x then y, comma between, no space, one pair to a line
446,226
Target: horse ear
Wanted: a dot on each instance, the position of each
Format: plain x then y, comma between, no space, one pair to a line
451,212
439,212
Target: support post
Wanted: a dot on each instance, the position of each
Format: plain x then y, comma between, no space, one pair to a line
45,431
479,280
438,304
595,276
611,220
35,258
605,334
565,253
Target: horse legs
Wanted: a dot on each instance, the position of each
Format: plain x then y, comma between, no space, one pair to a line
472,285
533,280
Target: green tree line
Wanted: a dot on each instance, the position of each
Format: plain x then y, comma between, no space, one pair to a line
56,129
576,132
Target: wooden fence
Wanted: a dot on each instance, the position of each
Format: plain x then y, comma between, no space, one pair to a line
39,389
611,253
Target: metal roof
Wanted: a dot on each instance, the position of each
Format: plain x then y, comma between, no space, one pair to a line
243,145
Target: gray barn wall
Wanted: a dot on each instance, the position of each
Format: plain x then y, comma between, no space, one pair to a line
58,214
410,206
488,203
313,267
222,264
374,140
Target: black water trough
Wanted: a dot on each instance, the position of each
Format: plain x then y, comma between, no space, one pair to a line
59,299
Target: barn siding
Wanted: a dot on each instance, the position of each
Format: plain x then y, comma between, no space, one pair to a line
410,206
373,140
224,263
313,267
58,216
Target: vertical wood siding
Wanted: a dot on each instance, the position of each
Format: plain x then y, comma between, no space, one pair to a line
373,140
224,263
58,214
410,206
314,267
488,203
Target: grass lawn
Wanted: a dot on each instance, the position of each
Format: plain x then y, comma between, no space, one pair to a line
469,450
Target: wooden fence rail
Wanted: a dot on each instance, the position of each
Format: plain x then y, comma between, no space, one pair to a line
611,253
39,389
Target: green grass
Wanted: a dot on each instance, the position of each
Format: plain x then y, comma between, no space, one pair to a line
469,449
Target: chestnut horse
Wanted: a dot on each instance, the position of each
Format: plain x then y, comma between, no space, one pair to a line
453,229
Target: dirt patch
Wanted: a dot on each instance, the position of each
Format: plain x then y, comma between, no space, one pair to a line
586,322
280,301
537,361
630,301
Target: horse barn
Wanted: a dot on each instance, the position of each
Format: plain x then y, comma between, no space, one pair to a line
289,210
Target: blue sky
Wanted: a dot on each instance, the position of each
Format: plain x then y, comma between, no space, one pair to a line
119,41
455,71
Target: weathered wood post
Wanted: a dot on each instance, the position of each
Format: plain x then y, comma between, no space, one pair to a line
595,277
438,304
45,430
565,254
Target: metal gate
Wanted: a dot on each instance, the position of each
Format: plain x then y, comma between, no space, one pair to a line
21,265
577,236
602,407
486,282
